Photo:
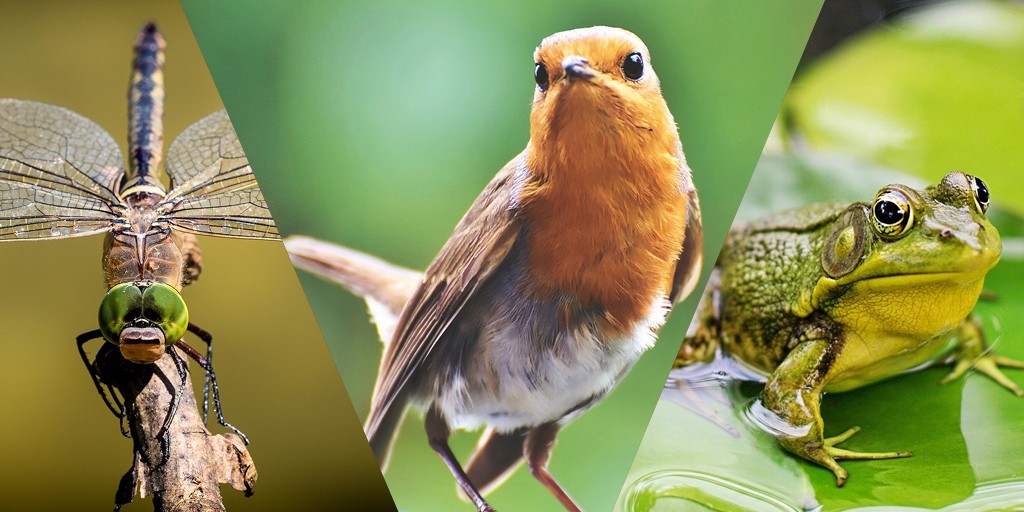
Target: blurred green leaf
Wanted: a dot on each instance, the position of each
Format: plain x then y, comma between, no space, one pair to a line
941,89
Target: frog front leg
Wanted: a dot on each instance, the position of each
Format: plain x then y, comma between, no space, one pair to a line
793,396
972,352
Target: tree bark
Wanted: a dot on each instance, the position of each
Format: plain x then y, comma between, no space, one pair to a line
186,475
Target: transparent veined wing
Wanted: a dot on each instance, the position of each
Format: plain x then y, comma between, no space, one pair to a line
58,173
213,191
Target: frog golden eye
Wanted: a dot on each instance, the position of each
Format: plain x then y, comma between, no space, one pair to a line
980,190
892,214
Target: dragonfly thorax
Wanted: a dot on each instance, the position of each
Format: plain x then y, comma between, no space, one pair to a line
149,252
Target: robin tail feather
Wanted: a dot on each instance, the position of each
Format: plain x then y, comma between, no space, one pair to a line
496,457
381,434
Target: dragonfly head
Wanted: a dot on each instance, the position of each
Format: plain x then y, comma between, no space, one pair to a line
142,318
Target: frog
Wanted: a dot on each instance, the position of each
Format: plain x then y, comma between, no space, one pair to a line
836,296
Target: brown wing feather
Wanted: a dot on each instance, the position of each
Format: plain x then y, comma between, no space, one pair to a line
478,246
495,458
688,267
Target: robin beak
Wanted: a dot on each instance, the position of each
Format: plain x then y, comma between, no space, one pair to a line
577,67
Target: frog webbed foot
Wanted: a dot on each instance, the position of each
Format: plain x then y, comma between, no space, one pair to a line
826,453
989,364
973,353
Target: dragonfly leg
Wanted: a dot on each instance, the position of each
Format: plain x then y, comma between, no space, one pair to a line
126,487
109,396
165,430
207,338
213,382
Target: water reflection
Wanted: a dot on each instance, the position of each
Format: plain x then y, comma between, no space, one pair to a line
689,490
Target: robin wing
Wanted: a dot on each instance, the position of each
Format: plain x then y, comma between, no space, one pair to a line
688,267
495,458
478,246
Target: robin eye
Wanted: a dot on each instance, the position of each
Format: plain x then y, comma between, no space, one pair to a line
892,214
633,66
980,192
540,74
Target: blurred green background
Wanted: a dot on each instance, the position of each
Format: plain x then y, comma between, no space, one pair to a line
940,88
375,125
928,91
61,447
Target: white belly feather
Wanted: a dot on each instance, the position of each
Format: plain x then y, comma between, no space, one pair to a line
536,388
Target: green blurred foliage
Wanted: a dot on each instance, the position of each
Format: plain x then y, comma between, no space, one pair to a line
61,447
375,125
941,89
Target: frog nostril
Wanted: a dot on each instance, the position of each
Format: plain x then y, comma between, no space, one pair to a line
945,234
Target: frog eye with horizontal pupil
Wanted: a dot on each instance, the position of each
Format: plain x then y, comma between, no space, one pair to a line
540,74
162,305
633,66
121,305
892,214
980,190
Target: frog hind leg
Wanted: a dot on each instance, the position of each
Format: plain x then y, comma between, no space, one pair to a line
701,341
793,395
972,352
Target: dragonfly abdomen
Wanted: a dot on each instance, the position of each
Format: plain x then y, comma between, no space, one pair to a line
145,114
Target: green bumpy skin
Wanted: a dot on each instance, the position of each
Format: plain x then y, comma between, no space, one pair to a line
158,304
836,296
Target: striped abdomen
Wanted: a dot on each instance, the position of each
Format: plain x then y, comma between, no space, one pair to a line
145,114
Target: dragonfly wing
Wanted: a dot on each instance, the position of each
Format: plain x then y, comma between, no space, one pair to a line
59,173
213,190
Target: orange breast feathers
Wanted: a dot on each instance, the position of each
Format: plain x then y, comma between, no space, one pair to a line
603,195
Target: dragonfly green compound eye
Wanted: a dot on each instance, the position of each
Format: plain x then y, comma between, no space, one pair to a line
121,305
143,307
162,305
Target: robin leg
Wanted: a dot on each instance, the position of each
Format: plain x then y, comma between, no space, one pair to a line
109,395
207,338
212,376
537,450
437,435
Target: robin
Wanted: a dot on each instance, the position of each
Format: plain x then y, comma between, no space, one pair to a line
555,281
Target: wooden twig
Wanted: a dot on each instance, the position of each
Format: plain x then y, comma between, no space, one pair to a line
185,476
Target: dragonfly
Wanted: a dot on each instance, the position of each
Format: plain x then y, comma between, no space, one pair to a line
63,176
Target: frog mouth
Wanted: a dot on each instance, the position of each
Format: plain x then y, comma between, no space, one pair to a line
921,279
